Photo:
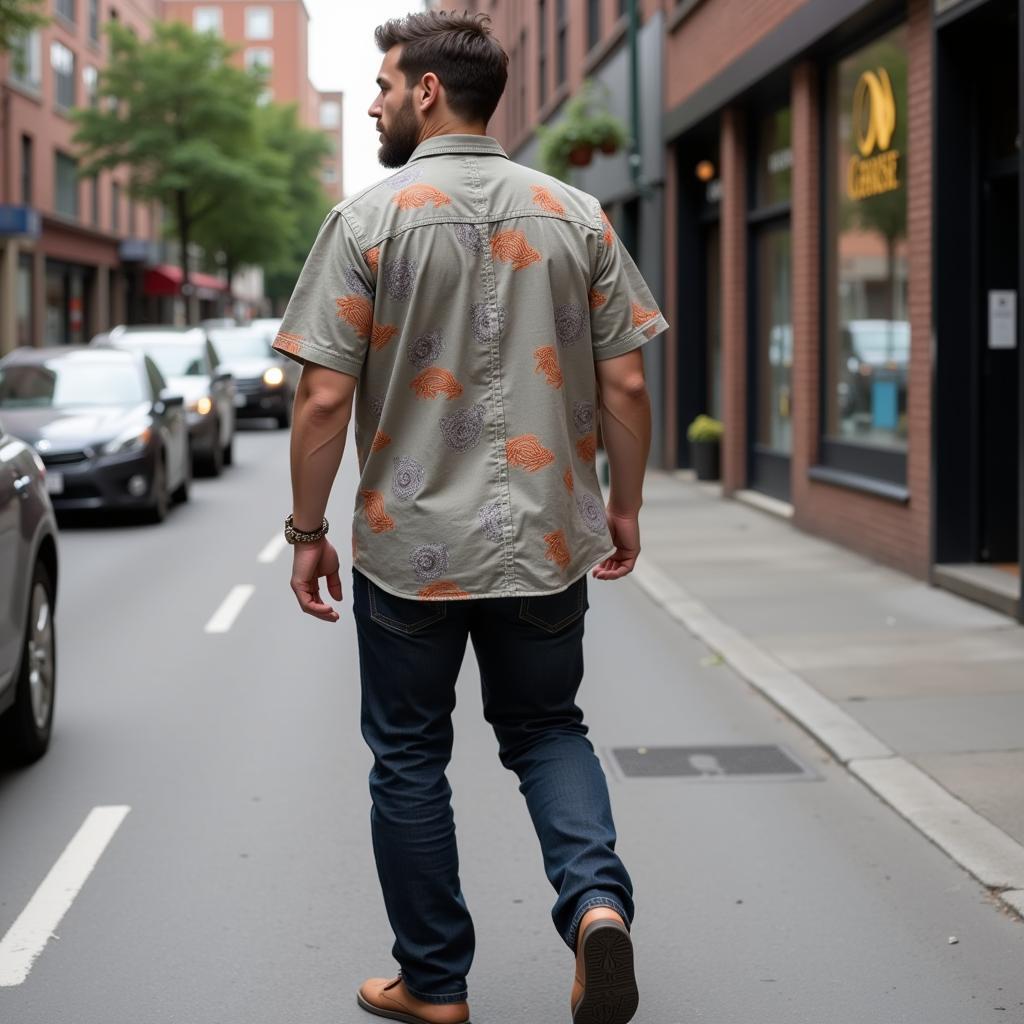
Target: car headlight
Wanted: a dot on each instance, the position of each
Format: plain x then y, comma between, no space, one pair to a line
133,440
274,376
201,405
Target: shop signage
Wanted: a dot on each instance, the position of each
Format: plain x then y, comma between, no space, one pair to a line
876,170
19,221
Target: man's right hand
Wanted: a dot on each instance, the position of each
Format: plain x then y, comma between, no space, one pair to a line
625,531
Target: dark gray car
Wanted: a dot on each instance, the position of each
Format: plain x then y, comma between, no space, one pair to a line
28,596
265,381
109,431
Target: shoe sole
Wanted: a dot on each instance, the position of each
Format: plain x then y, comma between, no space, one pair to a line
407,1018
610,995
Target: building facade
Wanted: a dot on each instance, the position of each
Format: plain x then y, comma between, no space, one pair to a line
830,209
71,251
274,36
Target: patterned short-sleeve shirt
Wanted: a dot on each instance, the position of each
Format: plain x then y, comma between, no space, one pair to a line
471,297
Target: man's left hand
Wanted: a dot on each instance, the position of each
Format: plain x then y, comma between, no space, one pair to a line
310,563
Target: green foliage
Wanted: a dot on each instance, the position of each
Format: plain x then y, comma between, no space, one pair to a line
704,428
17,18
586,122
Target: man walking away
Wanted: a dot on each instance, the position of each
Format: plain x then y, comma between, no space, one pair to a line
477,315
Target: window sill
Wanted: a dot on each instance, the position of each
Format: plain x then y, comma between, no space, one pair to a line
30,92
898,493
65,23
683,10
602,50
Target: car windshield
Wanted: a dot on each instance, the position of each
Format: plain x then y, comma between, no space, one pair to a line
242,343
63,384
174,358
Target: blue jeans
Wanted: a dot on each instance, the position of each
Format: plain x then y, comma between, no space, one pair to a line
530,654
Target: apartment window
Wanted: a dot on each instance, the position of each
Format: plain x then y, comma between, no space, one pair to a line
329,175
26,170
90,79
259,23
63,62
330,114
542,52
593,23
115,207
259,57
66,177
94,20
66,9
522,80
208,19
94,199
867,322
561,40
27,60
266,96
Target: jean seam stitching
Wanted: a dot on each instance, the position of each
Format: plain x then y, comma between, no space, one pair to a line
426,997
594,901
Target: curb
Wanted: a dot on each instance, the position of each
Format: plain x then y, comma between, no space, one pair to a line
985,851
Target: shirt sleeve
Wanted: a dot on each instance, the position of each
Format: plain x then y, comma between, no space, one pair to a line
623,313
329,318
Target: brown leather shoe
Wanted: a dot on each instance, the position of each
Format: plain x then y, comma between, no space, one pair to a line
388,997
604,989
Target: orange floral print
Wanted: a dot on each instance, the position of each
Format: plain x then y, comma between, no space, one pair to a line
381,334
528,453
597,299
286,342
442,590
417,196
512,247
641,316
609,235
567,479
547,363
546,201
357,311
380,440
434,381
372,257
373,505
558,550
586,448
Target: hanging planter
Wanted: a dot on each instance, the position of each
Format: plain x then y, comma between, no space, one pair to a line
587,125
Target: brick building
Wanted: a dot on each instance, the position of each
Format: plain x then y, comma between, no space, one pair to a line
275,36
69,256
833,222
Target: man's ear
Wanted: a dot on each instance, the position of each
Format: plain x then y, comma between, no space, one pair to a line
430,92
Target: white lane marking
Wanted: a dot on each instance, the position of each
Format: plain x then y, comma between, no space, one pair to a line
273,549
35,925
224,617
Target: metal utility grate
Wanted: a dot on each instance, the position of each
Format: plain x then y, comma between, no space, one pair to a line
709,762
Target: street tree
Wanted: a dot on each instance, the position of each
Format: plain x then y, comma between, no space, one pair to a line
17,18
181,118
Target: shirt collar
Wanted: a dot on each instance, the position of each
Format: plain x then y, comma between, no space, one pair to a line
483,145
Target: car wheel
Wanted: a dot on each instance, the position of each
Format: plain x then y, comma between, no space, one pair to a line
157,511
26,726
229,453
215,460
180,494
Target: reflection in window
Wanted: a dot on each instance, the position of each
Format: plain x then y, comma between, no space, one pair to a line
26,60
775,340
64,384
259,23
208,19
66,175
63,62
867,326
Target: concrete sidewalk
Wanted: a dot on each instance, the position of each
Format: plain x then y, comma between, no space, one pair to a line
919,692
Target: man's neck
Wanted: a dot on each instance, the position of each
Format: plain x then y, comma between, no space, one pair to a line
450,127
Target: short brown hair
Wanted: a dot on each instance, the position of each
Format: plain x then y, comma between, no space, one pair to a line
459,48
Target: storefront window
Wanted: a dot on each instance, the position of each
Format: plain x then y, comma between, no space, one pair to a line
713,317
775,159
775,340
867,325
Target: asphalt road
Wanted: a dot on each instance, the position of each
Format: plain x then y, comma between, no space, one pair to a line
240,889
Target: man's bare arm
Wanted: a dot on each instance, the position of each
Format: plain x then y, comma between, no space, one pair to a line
323,408
625,427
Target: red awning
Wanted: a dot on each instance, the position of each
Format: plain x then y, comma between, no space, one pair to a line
166,280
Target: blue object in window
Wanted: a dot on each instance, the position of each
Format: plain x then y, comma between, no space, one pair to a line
884,404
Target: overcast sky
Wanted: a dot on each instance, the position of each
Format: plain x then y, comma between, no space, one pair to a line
342,55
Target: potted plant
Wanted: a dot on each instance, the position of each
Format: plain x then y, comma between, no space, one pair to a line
585,125
705,437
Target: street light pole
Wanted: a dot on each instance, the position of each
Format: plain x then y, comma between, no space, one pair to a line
636,168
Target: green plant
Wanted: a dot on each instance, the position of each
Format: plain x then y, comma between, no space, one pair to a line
704,428
585,125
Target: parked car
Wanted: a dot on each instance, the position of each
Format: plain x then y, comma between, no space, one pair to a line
28,598
270,325
110,432
218,321
265,381
191,367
